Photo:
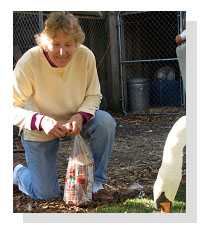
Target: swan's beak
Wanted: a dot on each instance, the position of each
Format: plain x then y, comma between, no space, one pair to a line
165,207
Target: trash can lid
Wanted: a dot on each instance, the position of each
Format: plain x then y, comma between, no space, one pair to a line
138,80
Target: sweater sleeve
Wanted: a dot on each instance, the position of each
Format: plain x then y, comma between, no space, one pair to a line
93,94
22,91
86,116
36,122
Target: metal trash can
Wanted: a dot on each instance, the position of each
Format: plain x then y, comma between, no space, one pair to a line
138,94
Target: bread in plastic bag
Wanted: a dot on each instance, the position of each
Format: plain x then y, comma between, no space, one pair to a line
79,178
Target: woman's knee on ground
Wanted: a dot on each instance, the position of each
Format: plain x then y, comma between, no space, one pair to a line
47,195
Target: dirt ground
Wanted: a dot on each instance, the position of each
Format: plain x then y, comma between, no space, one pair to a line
136,158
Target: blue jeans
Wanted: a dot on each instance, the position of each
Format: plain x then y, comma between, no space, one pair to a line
40,180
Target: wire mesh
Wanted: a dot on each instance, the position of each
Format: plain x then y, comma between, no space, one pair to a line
148,50
25,26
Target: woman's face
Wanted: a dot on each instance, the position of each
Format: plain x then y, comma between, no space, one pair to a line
61,48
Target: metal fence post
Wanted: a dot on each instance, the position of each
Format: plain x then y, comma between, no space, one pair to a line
41,20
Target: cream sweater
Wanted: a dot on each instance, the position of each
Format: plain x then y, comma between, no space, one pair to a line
55,92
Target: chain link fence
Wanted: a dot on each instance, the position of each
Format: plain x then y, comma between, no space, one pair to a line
25,26
148,50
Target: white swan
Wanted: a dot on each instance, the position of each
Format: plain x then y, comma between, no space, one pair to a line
170,173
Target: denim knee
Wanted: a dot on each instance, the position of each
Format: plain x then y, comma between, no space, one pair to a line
103,124
107,123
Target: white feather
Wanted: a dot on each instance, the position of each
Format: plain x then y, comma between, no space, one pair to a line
170,172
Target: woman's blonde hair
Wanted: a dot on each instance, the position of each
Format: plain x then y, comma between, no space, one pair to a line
61,21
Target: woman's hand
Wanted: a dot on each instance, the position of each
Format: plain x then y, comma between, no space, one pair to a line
74,125
53,128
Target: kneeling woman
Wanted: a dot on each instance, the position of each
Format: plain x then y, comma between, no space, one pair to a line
56,85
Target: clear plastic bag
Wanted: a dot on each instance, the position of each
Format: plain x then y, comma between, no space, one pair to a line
79,178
